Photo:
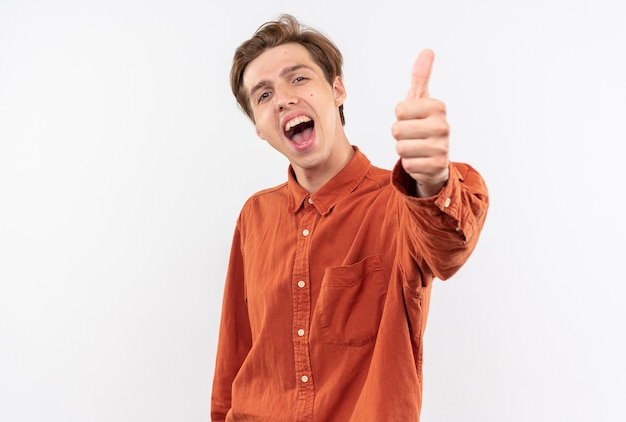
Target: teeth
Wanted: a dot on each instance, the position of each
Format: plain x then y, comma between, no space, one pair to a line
296,121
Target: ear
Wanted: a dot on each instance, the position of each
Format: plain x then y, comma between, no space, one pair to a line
339,91
258,133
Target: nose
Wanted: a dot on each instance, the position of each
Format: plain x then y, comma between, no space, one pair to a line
284,97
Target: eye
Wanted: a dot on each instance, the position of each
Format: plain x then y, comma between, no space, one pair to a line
300,79
264,96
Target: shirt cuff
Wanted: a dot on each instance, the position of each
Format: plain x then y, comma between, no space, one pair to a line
448,201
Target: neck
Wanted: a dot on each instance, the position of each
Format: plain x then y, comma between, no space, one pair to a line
311,179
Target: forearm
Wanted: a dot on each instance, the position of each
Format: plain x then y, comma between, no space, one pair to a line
443,229
234,339
424,190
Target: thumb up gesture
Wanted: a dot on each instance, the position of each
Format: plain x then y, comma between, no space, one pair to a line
421,131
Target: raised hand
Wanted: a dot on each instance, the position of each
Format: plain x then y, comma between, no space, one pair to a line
421,131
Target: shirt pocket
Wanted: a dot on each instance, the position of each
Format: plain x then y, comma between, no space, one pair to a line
351,301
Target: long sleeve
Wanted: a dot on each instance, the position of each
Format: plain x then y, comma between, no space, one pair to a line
234,339
448,225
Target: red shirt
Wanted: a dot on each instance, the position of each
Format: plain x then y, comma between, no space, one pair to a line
327,294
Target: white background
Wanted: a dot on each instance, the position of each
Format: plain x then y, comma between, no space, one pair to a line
124,161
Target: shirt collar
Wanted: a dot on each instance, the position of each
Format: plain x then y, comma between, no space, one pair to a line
333,191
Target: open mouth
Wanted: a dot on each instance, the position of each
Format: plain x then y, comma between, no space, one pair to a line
299,130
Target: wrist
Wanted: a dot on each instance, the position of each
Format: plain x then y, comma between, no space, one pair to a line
426,190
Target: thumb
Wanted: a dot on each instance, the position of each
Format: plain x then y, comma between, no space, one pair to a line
420,75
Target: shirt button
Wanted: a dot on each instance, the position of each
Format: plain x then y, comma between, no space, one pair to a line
458,229
310,200
300,332
304,378
305,232
301,283
447,203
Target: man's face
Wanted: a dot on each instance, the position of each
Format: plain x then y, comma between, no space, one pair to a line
295,108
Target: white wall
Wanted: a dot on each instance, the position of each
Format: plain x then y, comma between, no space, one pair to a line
124,162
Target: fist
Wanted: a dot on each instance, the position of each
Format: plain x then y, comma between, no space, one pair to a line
421,131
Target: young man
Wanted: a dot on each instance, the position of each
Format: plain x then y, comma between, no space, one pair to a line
330,274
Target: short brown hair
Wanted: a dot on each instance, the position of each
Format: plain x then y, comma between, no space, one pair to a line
286,29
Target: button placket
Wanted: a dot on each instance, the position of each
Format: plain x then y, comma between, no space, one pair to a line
302,313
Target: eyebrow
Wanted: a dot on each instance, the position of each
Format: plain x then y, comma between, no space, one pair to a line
282,74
